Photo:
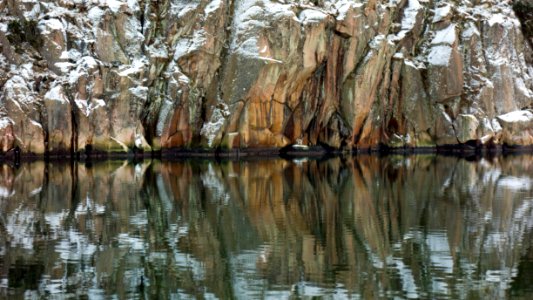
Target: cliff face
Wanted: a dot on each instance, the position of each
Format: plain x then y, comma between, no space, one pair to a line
116,76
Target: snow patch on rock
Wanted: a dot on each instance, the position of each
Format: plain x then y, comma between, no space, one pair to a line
440,55
442,13
212,127
446,36
517,116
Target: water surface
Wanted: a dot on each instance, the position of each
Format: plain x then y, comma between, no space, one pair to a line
362,227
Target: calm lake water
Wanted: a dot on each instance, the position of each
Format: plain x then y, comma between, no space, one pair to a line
359,227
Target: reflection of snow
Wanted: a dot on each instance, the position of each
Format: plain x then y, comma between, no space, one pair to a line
437,243
55,221
139,219
89,207
20,226
500,276
406,275
134,243
75,246
214,183
515,183
299,161
5,192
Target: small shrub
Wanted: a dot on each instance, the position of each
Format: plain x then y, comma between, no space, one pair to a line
524,11
24,31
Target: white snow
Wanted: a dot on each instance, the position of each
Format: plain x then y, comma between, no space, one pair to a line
440,55
139,139
64,67
134,5
410,63
300,147
398,55
114,5
377,42
517,116
445,36
56,94
139,92
270,59
409,18
344,6
89,62
496,19
188,45
470,30
166,108
182,8
310,16
136,67
253,16
496,125
36,124
5,122
157,50
47,26
132,35
85,64
87,107
212,7
95,14
211,128
35,11
442,12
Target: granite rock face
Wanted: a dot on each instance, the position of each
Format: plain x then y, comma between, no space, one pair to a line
126,76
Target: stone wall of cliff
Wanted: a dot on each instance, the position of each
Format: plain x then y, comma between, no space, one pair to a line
139,75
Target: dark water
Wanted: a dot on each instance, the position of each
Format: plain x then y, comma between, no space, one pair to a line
367,227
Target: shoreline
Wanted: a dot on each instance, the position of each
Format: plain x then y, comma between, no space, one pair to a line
289,152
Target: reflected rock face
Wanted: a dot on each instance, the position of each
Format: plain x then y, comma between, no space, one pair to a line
121,76
419,226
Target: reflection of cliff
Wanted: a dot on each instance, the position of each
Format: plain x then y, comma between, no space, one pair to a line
419,226
129,75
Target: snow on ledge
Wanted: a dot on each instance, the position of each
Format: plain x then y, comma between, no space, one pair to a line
517,116
440,55
445,36
310,16
441,13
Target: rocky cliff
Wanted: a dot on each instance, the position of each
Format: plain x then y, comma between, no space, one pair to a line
133,76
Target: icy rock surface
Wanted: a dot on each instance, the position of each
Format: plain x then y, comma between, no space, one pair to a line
121,76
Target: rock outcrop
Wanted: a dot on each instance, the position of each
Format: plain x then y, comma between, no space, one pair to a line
140,76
